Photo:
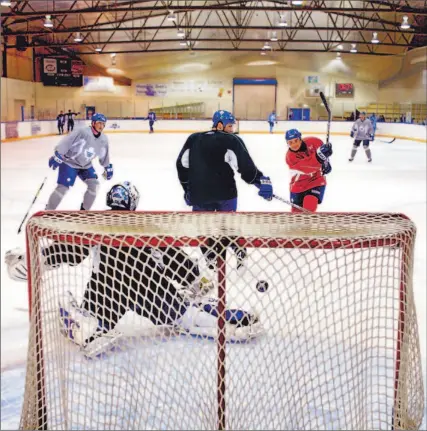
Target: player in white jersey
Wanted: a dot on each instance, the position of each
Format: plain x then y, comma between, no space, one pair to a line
74,154
362,130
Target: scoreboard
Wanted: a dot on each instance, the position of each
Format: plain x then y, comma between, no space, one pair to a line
344,90
62,72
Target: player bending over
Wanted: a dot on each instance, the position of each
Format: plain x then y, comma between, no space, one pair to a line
362,131
308,161
74,155
206,166
144,284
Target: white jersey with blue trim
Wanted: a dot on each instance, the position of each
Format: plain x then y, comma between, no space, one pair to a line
362,129
80,147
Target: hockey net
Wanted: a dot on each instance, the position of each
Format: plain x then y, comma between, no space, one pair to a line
340,347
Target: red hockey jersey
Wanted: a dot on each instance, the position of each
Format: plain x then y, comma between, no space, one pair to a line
305,168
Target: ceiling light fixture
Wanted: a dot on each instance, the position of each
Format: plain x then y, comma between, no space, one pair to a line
78,37
353,48
340,47
48,22
297,2
171,16
113,54
180,33
183,43
274,37
266,46
405,24
375,38
5,3
338,56
282,22
263,53
98,49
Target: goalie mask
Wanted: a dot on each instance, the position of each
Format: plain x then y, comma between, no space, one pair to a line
123,196
16,264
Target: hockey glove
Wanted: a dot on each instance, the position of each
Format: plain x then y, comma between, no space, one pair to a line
326,168
352,134
323,152
371,137
55,160
108,173
265,188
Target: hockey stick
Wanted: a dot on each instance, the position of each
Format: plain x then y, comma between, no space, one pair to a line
291,204
385,142
32,203
328,110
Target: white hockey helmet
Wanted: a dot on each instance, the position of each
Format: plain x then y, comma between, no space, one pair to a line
15,261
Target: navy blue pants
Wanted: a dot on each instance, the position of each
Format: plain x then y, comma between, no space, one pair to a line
229,205
67,175
151,122
318,192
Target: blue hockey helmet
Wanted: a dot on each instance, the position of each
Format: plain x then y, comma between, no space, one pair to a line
99,117
123,196
292,134
223,117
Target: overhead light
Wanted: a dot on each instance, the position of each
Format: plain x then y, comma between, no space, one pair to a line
263,53
405,24
282,22
113,54
48,22
98,49
297,2
171,16
183,43
181,33
338,56
78,37
274,37
353,48
266,46
5,3
113,61
375,38
340,46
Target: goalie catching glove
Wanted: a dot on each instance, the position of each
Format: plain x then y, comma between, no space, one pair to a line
16,264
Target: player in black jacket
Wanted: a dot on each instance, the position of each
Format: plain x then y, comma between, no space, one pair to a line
134,278
70,120
206,166
60,119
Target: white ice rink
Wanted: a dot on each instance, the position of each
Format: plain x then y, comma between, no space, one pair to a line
395,181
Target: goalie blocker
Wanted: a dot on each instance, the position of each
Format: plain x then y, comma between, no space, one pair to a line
145,284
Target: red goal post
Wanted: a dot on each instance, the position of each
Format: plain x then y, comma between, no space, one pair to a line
340,348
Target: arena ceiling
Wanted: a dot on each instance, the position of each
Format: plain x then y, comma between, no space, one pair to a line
147,28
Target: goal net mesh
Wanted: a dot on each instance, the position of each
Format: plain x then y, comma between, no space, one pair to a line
336,345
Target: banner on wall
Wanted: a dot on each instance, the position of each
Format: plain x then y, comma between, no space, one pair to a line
90,110
183,88
12,129
35,128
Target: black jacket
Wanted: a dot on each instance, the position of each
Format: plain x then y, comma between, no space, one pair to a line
205,166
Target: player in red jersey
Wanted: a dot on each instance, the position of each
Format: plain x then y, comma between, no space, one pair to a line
308,161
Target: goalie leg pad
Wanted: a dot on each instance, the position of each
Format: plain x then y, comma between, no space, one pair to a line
200,319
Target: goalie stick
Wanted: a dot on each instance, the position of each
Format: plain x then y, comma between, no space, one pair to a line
32,203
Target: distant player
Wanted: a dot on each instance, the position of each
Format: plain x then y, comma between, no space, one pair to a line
206,166
73,156
60,121
134,278
272,118
70,120
308,161
151,117
362,131
373,119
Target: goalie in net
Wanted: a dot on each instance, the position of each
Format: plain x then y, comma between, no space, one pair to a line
141,279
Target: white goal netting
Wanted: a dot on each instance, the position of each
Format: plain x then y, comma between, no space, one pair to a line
314,322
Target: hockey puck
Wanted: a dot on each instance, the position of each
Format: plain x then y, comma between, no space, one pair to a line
262,286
